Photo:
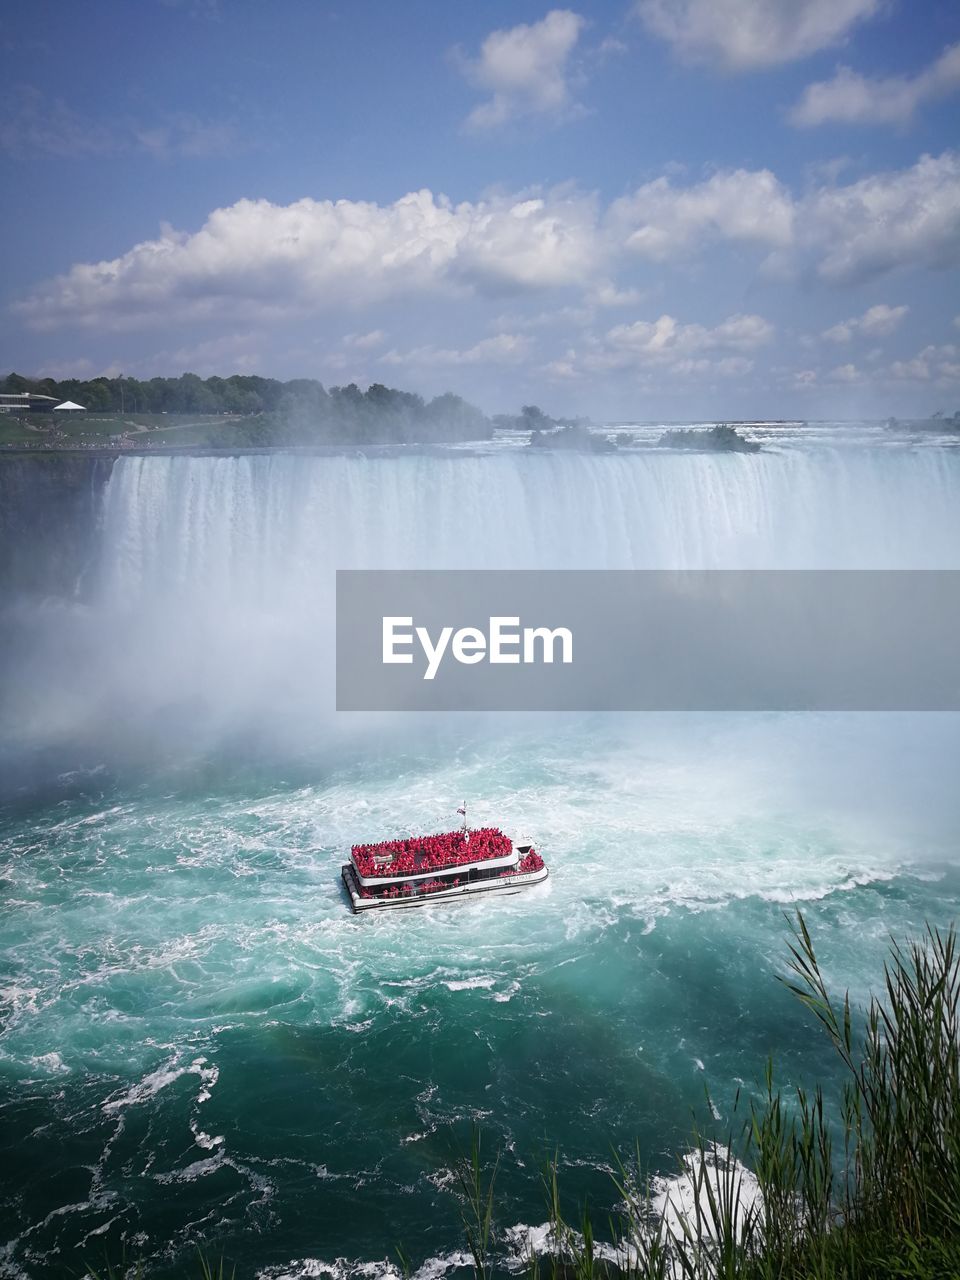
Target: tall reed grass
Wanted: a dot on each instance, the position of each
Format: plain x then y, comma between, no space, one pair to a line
868,1191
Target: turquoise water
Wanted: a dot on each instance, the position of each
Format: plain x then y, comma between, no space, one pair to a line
199,1045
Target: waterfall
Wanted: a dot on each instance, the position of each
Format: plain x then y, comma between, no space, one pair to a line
267,528
208,602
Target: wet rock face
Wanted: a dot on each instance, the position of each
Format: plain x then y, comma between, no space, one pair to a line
49,513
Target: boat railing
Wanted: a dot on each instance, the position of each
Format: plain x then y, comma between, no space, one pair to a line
401,877
411,891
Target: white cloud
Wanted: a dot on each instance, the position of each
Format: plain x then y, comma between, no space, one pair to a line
265,262
276,260
937,364
529,244
855,230
876,322
364,341
607,294
565,369
505,348
745,34
525,69
660,220
881,320
842,332
239,352
683,348
850,98
916,370
908,217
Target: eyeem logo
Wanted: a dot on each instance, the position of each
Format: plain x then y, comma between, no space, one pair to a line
505,644
647,640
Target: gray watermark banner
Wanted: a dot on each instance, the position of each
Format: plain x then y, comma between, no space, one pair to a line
648,640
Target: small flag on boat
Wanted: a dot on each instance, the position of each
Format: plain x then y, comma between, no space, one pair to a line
463,811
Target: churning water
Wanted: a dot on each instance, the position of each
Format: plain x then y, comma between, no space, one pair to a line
200,1045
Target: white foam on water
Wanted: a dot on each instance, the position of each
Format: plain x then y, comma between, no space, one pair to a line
683,1200
677,1204
52,1064
439,1266
339,1269
191,1172
19,998
162,1078
504,997
478,983
526,1243
343,1269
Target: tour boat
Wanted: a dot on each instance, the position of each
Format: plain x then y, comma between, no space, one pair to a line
449,866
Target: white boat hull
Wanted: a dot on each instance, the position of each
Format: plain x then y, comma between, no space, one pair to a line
502,886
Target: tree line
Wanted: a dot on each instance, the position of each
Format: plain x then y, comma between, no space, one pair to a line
275,412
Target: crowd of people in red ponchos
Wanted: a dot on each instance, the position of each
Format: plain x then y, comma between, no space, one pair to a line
529,862
407,890
430,853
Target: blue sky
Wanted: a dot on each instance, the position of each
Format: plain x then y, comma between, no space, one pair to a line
635,208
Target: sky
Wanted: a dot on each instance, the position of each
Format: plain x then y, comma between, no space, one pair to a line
630,209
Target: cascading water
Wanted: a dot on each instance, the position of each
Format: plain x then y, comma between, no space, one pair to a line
276,523
198,1043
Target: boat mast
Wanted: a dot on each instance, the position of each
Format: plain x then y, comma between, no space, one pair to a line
463,811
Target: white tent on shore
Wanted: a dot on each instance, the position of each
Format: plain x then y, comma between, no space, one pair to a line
69,406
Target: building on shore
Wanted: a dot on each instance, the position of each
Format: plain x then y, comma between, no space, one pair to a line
26,402
69,406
